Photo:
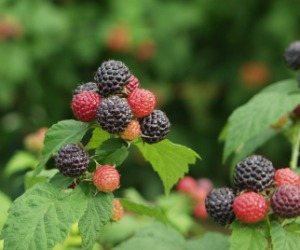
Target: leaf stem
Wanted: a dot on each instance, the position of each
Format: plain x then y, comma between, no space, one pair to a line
295,151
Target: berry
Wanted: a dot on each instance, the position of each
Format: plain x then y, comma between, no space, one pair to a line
106,178
254,173
89,86
200,211
199,194
142,102
186,185
155,127
84,105
111,77
133,83
114,114
286,176
218,205
292,55
285,201
132,131
250,207
206,184
118,210
72,160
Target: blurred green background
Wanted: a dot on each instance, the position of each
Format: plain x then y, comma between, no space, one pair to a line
203,58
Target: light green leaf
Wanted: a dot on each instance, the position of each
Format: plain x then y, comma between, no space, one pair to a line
257,115
42,217
5,204
142,209
210,241
112,151
282,239
169,160
97,213
61,133
156,236
248,237
20,161
98,137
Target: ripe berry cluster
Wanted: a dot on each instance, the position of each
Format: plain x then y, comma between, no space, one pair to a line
116,101
197,190
120,107
259,189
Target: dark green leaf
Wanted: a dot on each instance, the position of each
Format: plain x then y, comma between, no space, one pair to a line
61,133
142,209
42,217
282,239
156,236
112,151
98,137
210,241
169,160
248,237
257,115
97,213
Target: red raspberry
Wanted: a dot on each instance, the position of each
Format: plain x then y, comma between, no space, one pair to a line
200,211
142,102
84,105
187,185
250,207
106,178
132,131
286,176
118,210
133,83
199,194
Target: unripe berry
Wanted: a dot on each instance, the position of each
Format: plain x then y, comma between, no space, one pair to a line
200,211
118,210
106,179
286,176
132,131
187,185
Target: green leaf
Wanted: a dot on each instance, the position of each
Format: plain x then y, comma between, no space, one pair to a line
61,133
210,241
61,181
45,175
257,115
156,236
248,237
97,213
142,209
21,161
5,204
283,239
169,160
112,151
98,137
42,217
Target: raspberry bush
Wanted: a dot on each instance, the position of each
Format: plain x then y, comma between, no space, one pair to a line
113,115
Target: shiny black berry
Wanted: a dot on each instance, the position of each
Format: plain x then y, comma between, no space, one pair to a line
255,173
219,205
155,127
285,201
89,86
114,114
72,160
111,77
292,55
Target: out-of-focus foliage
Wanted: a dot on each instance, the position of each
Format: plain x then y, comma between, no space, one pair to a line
202,58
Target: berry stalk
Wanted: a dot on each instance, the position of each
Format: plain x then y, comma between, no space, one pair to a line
295,150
